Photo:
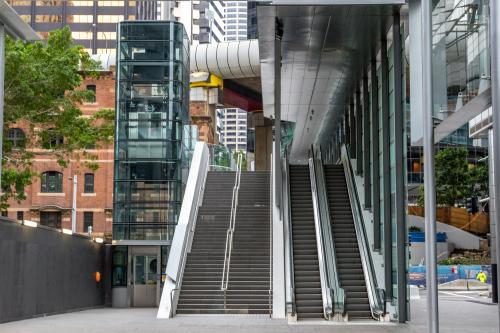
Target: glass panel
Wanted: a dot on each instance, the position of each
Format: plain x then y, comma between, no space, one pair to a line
140,270
152,112
152,269
119,278
461,62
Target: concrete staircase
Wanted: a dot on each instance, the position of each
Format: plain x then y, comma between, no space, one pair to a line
308,299
249,277
349,265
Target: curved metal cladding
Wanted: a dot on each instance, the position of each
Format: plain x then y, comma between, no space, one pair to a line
152,105
229,60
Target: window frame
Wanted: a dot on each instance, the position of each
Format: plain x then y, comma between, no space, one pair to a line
45,186
88,222
88,187
18,138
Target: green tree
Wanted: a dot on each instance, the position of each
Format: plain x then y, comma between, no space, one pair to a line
243,159
42,98
455,178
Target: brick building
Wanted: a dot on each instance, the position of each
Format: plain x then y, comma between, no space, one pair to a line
49,197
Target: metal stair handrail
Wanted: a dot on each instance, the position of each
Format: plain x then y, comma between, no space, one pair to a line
326,292
377,303
290,301
336,290
232,222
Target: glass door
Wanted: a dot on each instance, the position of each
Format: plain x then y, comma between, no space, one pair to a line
145,274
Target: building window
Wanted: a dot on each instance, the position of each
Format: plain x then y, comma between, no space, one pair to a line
87,35
89,183
81,19
51,219
16,137
111,3
51,139
88,221
20,216
51,182
48,18
92,88
4,213
109,18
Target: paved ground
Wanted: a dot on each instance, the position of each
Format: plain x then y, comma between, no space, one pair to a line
459,313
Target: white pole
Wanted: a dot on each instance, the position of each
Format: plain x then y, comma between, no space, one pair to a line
495,101
73,209
429,179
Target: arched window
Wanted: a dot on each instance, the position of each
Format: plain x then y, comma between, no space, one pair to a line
16,137
52,182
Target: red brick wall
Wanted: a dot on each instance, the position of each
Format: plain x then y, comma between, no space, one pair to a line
100,202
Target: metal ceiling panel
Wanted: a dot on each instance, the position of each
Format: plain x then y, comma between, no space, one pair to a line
324,49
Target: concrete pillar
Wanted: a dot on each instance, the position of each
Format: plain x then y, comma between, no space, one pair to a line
263,147
263,140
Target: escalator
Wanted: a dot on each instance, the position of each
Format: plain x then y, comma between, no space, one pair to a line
348,258
308,297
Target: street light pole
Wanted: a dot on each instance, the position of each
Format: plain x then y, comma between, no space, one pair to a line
73,208
429,179
495,103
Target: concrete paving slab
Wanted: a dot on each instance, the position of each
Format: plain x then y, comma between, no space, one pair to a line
464,312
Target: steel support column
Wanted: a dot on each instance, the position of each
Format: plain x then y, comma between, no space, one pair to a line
347,130
359,133
277,112
386,167
429,177
375,156
366,142
493,217
495,97
352,128
399,144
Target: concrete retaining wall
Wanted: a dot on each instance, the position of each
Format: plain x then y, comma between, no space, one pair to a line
43,271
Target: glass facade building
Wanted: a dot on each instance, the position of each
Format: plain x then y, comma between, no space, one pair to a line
151,110
461,64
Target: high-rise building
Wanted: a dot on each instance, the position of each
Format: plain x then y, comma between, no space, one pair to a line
92,22
252,31
235,19
203,20
232,128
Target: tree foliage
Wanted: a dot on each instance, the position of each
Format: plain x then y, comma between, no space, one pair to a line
243,154
42,98
456,179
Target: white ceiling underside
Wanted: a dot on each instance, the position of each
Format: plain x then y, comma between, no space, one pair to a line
323,50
